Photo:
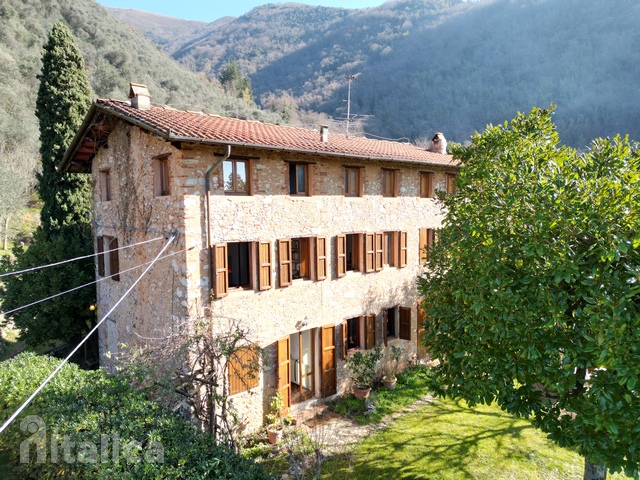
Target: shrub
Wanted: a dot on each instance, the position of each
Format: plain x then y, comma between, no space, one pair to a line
110,430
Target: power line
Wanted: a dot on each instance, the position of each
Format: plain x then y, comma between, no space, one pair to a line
78,258
59,367
90,283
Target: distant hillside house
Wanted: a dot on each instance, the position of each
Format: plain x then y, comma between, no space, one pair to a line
312,239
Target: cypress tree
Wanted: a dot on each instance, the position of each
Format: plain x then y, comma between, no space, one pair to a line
63,100
64,97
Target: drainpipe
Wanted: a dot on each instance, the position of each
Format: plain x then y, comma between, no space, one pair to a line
207,187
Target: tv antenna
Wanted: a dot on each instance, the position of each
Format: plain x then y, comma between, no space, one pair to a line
349,79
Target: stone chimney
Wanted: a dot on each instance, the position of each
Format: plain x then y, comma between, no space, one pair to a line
139,95
438,144
324,133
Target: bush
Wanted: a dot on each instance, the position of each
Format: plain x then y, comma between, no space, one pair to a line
107,429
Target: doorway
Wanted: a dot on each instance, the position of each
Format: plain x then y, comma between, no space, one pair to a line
302,365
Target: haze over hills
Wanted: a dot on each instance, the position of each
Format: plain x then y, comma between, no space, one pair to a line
114,53
430,65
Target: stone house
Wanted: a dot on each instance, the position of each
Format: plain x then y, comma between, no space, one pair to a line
312,239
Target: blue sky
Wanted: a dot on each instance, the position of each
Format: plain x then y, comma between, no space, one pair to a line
208,11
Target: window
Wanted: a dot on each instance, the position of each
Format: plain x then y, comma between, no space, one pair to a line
451,183
108,259
389,183
426,184
348,253
353,184
298,179
235,174
404,323
161,175
105,185
298,257
301,258
353,333
389,317
243,370
427,236
390,252
233,264
239,264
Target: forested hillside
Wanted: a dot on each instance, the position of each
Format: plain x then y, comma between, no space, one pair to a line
445,65
114,54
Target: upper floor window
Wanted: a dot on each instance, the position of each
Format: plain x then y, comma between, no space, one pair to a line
426,184
105,185
451,183
353,182
389,183
239,265
235,174
161,175
298,179
107,256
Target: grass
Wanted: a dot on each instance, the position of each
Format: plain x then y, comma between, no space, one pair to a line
447,440
411,386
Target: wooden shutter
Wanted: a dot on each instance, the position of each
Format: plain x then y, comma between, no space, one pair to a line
344,332
379,251
369,252
284,256
341,255
264,264
240,364
405,323
100,257
321,258
328,373
370,331
284,372
361,182
385,329
396,183
423,246
403,249
221,270
114,259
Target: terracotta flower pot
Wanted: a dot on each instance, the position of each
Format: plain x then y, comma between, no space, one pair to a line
361,393
390,383
274,435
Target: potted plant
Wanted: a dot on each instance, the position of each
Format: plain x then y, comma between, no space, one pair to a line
362,370
275,423
392,364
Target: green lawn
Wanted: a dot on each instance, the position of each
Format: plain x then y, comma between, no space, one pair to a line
448,440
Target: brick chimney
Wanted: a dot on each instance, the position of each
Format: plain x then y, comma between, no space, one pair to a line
139,95
324,133
438,143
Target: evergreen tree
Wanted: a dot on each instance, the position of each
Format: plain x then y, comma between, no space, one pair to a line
235,84
63,99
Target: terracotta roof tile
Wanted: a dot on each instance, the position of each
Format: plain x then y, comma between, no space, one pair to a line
180,125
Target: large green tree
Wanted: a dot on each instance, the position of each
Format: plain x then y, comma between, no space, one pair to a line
531,292
63,99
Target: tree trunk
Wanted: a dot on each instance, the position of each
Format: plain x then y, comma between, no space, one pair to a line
594,471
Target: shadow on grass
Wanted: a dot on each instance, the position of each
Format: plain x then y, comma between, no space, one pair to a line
441,440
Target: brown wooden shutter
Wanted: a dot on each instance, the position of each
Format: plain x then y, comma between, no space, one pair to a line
369,252
403,249
114,259
240,364
423,246
396,183
344,331
405,323
361,182
379,254
328,373
341,255
284,256
100,257
321,258
264,264
370,331
284,372
221,270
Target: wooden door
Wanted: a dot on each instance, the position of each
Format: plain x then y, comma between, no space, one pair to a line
284,372
328,372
